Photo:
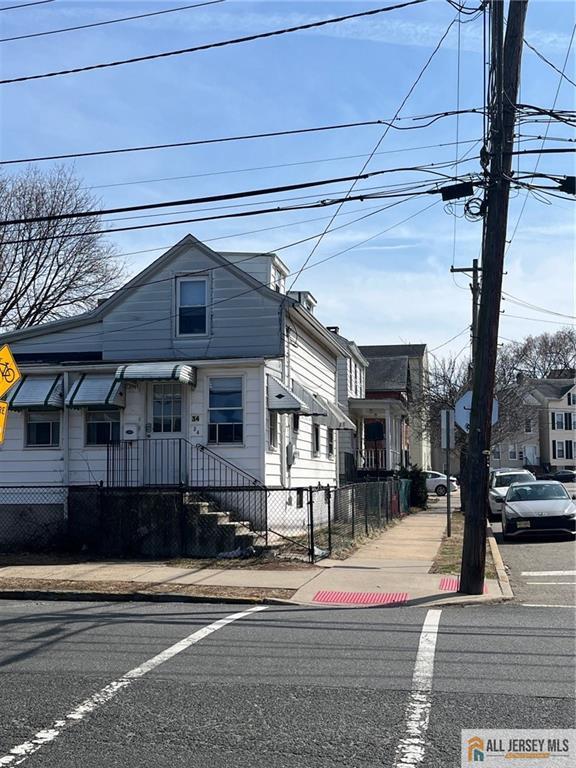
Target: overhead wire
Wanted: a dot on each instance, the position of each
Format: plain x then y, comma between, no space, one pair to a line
431,118
566,58
107,22
210,46
25,5
535,307
547,61
378,143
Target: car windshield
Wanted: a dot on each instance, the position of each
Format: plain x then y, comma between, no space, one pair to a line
539,492
503,481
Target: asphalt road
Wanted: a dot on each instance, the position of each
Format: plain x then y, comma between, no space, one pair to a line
542,569
282,688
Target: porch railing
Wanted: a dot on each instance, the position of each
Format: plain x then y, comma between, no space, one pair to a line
372,458
177,462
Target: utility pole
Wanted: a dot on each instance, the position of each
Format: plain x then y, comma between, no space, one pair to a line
475,288
505,59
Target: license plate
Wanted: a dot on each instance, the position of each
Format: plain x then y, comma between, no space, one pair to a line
523,524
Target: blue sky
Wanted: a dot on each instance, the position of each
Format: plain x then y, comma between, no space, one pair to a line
395,288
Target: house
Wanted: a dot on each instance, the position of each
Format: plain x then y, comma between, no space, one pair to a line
557,420
397,375
201,370
516,436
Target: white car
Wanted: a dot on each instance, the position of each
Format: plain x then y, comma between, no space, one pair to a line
500,481
436,483
539,506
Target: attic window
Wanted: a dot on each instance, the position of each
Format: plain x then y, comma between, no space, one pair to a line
191,296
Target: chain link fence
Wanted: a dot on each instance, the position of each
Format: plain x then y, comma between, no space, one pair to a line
170,522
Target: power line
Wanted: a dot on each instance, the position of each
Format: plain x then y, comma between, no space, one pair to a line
378,143
547,61
246,137
537,319
279,165
464,330
25,5
212,198
209,46
535,307
544,139
109,21
241,214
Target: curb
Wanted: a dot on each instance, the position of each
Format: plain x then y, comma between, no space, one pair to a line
501,574
135,597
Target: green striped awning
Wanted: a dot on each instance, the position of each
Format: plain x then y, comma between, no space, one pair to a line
186,374
37,392
96,391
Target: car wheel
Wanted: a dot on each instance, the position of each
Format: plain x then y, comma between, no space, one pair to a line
505,534
440,490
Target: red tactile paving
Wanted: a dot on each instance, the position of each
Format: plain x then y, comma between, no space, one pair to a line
360,598
452,584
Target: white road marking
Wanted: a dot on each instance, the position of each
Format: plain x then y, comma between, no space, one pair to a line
22,752
548,573
410,751
569,583
547,605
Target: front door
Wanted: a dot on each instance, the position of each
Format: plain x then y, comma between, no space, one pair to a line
530,455
164,451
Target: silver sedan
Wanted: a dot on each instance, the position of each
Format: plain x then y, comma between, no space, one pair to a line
538,506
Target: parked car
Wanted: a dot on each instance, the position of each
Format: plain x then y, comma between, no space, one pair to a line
564,476
437,483
500,481
542,505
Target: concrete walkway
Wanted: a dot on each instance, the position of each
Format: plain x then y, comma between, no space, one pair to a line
392,568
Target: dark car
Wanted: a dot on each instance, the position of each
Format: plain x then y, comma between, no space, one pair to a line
564,476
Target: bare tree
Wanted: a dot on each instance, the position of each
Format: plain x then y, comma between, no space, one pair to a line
540,356
55,268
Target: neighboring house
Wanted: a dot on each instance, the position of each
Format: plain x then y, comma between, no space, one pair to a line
196,350
557,399
521,447
403,378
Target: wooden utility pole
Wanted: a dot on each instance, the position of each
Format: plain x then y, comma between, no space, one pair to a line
475,289
505,59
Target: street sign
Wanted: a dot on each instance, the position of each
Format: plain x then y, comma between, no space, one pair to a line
446,440
462,411
3,419
9,373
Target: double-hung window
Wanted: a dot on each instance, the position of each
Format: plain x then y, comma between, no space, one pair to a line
528,426
102,427
315,439
192,306
43,429
512,451
560,449
330,443
225,410
272,430
560,420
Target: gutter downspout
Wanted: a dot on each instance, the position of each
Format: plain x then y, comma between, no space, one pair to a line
66,442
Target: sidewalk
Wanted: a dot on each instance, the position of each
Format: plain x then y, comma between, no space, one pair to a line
392,568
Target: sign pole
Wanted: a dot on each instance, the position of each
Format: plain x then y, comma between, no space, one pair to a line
448,497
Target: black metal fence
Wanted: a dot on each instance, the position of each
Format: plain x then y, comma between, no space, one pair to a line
177,521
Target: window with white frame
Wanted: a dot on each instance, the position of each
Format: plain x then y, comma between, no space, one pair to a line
166,408
511,451
295,424
528,426
496,452
272,430
226,412
192,301
560,449
560,420
102,427
330,443
43,429
315,439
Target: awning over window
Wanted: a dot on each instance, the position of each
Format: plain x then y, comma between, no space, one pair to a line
96,391
37,392
157,372
323,411
282,400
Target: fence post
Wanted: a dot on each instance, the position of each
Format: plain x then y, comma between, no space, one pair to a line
329,500
366,496
311,524
353,498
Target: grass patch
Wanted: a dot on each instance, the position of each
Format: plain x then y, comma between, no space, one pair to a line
449,556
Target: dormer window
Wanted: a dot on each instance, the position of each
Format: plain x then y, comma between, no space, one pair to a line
191,310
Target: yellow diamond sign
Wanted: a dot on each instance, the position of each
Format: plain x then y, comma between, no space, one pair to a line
9,373
3,419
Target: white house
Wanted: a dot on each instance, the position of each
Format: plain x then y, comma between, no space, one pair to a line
557,398
199,370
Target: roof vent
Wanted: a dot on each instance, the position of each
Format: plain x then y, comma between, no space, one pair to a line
333,328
